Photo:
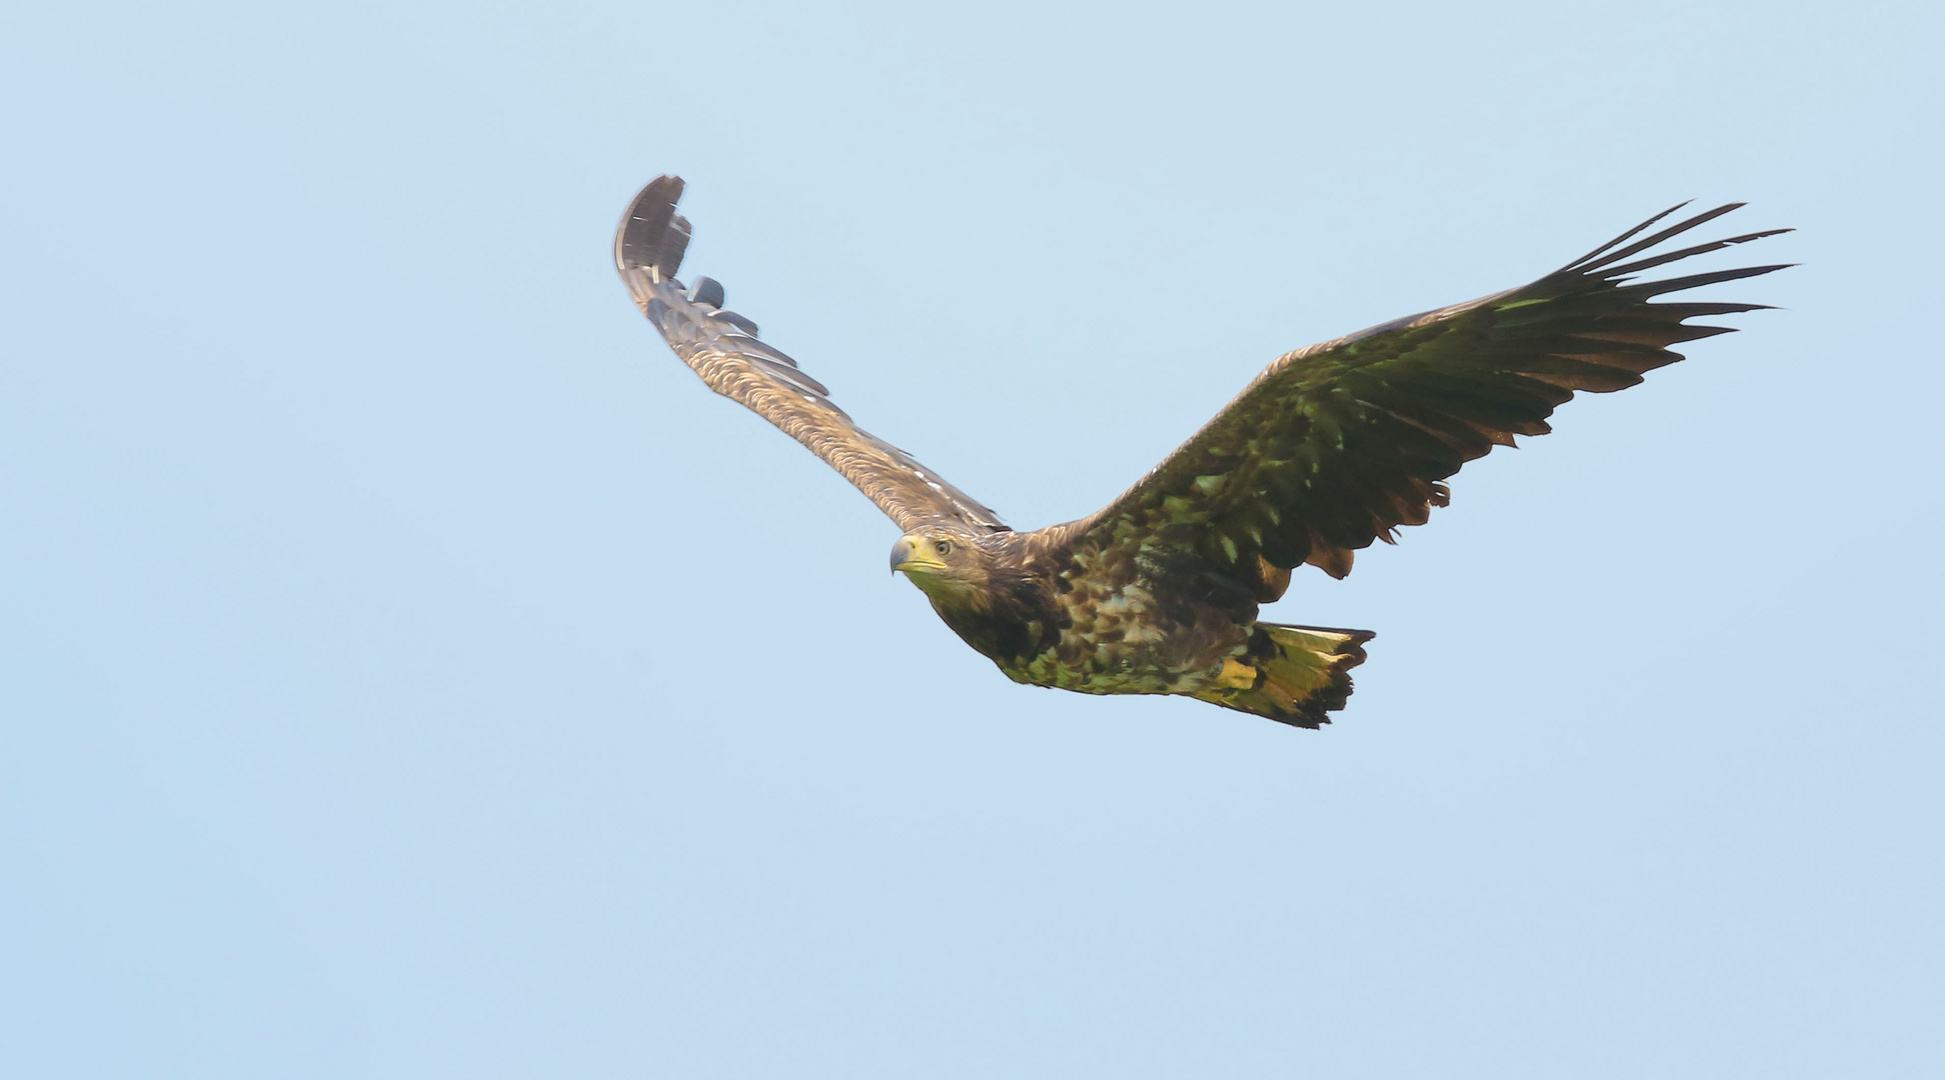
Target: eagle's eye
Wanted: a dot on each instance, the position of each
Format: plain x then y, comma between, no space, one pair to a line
943,547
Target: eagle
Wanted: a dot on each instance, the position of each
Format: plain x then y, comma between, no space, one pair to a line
1330,448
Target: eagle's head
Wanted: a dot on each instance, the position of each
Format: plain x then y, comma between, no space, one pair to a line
953,566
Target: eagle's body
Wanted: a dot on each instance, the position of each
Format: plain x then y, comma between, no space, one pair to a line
1331,447
1114,619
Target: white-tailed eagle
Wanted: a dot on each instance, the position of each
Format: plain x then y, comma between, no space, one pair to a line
1331,447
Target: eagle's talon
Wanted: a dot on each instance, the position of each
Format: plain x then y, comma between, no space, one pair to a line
1235,676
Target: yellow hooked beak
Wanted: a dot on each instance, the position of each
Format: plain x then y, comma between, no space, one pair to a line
913,554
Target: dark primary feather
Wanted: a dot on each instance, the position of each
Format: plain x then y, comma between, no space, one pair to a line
722,347
1339,444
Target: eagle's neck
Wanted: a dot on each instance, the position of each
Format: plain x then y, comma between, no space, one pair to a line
1012,617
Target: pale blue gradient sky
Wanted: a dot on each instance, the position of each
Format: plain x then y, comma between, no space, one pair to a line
409,670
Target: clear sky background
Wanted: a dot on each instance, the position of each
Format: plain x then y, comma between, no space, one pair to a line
408,669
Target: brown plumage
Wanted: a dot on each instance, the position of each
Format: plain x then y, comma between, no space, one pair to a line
1331,447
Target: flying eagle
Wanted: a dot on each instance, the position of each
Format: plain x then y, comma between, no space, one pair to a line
1330,448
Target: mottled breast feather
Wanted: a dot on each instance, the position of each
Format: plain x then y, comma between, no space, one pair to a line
1339,444
723,348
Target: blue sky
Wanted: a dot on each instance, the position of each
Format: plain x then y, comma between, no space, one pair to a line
411,670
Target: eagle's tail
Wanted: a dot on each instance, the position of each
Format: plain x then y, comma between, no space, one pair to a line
1294,674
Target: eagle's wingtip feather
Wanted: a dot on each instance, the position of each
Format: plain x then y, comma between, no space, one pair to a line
643,239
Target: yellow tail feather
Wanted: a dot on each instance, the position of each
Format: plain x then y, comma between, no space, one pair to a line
1292,674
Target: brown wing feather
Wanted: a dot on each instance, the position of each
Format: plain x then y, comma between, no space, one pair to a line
1339,444
723,348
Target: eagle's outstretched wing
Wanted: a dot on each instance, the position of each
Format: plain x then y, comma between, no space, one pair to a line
1341,443
722,347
